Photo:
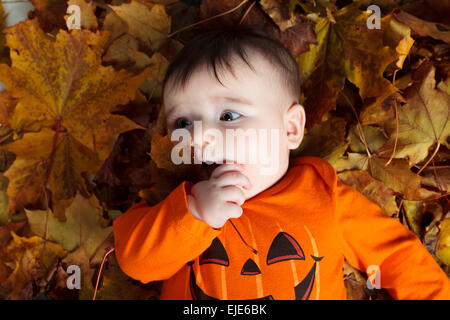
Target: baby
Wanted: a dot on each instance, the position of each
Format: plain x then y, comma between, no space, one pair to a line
247,232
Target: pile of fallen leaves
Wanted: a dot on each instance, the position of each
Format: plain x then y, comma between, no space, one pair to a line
82,135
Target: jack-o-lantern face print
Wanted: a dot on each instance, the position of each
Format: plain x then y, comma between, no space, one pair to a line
283,247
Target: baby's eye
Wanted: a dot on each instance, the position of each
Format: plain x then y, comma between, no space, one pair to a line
228,117
182,122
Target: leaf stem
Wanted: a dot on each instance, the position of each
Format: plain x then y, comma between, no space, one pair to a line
358,126
100,271
396,125
208,19
247,11
431,158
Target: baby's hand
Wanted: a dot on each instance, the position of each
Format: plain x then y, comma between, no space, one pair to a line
218,199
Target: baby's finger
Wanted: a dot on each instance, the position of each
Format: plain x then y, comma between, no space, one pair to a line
232,210
233,194
225,168
234,178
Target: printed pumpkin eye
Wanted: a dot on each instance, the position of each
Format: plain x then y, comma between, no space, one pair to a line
215,254
250,268
284,247
228,116
182,122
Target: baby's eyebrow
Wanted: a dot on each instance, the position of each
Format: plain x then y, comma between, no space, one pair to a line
233,99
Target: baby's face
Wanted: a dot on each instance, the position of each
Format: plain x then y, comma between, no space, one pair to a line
254,102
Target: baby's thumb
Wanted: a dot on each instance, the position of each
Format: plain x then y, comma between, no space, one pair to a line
192,206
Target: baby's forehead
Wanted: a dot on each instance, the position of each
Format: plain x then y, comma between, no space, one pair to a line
235,70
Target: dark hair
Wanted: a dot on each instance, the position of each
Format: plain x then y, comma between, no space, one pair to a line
216,47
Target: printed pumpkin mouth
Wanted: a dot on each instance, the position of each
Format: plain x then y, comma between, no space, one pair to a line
302,290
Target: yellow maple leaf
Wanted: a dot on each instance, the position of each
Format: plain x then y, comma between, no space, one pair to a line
68,98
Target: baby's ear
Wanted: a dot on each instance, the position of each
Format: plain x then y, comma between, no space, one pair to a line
295,118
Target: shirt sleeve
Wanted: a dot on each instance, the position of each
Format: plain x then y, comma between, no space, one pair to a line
153,242
370,237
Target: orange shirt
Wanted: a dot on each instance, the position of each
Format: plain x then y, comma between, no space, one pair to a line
302,228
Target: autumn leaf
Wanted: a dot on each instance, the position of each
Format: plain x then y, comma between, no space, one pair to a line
153,84
438,178
113,284
4,201
88,20
74,104
5,238
422,122
355,282
374,190
29,174
29,258
326,140
421,214
50,13
382,109
374,137
79,258
82,227
86,138
120,52
397,175
353,161
443,246
3,49
346,49
7,105
146,21
423,28
115,25
281,14
117,285
397,36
